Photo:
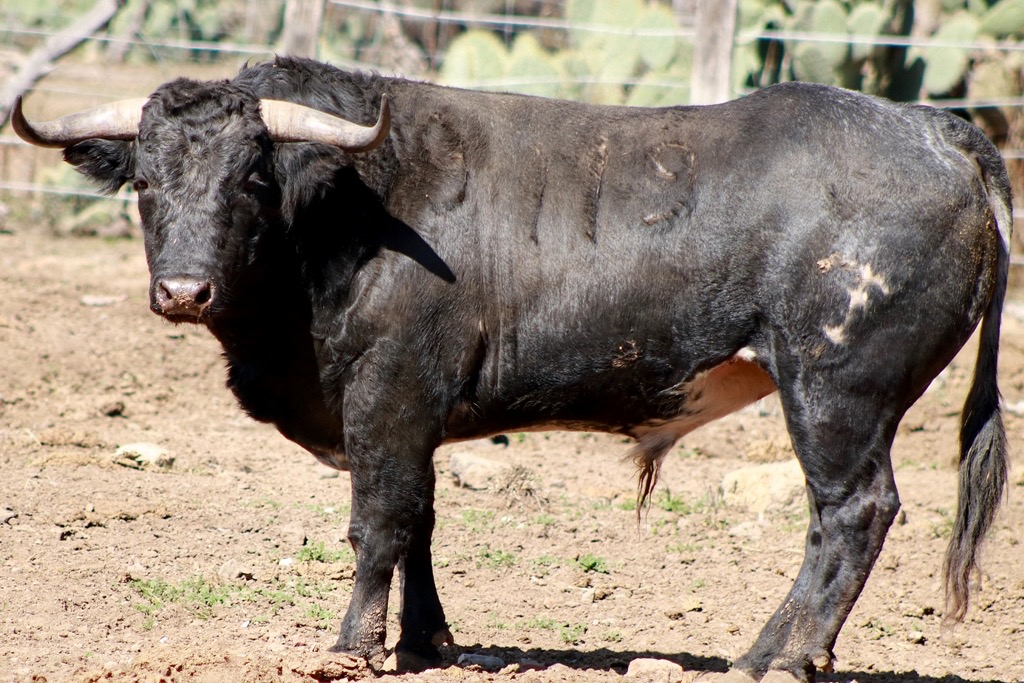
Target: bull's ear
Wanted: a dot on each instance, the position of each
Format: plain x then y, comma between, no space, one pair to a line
111,163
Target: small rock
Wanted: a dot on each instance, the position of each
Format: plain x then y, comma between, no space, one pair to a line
762,487
292,537
6,515
98,300
473,471
655,671
135,572
286,561
485,662
143,455
749,530
232,570
527,664
916,637
684,606
113,409
588,596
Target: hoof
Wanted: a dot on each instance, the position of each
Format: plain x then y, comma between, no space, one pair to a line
442,637
334,666
373,659
408,662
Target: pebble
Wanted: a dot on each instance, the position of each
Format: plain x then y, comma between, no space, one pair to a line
474,472
654,670
144,455
233,569
485,662
98,300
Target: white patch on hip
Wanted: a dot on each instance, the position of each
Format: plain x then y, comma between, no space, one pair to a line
867,282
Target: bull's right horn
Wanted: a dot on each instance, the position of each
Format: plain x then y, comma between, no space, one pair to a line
291,122
113,121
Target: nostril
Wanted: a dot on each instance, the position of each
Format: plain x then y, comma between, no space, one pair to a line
204,295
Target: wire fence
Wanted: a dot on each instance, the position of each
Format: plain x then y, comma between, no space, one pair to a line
502,22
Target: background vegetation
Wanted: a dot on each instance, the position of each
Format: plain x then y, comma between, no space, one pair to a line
962,54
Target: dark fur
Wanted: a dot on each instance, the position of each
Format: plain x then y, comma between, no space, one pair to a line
506,263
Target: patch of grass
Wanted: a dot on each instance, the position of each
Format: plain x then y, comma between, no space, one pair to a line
314,589
542,565
593,563
318,552
495,558
494,621
626,504
572,634
544,520
877,630
542,623
612,636
323,619
677,504
944,527
195,594
477,520
265,503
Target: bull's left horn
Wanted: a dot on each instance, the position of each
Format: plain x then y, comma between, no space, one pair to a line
113,121
290,122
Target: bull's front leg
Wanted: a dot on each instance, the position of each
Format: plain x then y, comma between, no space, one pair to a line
421,618
389,443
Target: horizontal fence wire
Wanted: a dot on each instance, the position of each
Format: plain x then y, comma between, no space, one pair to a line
685,31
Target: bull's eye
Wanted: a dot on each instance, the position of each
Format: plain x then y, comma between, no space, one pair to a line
140,184
254,183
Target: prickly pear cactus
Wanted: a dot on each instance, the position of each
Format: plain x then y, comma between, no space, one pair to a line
848,56
627,51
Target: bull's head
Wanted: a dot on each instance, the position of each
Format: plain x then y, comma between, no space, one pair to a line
200,156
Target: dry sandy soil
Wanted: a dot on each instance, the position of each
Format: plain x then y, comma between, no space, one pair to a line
231,562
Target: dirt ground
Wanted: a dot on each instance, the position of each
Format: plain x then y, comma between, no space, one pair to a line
230,563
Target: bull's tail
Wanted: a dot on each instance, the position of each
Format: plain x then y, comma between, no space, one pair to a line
983,449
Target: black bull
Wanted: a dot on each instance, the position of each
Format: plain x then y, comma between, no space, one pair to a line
478,263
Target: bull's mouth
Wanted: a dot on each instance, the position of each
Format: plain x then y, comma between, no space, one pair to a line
181,319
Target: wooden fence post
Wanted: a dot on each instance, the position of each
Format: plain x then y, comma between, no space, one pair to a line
302,20
715,25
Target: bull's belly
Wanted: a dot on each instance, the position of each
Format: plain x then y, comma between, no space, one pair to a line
709,395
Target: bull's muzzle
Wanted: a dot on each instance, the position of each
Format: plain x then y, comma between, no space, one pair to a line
183,298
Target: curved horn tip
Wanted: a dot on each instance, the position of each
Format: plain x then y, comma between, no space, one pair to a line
24,129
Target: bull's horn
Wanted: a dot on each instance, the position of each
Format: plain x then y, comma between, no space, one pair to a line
113,121
290,122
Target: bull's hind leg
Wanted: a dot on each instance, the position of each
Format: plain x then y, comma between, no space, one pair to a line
842,438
